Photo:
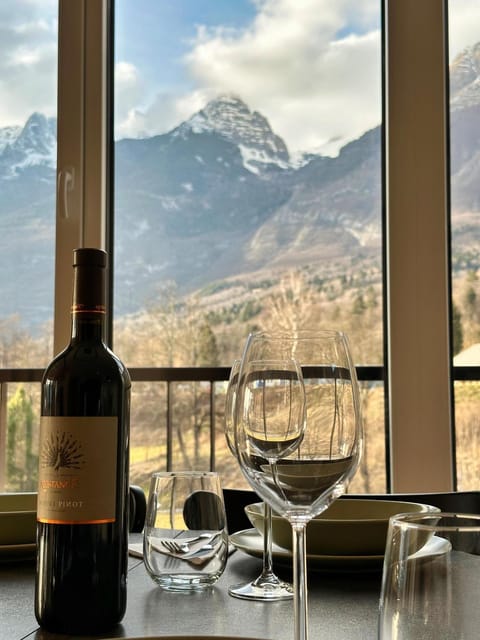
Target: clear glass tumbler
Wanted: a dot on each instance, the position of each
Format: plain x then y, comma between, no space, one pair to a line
431,578
185,539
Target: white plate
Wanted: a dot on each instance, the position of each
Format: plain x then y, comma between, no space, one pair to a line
17,552
251,542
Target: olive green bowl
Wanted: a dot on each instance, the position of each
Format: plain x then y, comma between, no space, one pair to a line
349,527
18,516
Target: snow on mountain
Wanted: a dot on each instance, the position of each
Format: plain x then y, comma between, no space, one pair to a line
465,79
8,135
35,144
230,117
39,136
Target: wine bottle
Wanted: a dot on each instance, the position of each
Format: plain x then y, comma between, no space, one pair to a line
82,514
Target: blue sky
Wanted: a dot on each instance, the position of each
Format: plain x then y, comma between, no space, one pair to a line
165,27
312,67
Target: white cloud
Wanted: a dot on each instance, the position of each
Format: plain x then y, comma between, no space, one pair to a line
28,59
291,64
464,25
311,66
163,113
316,87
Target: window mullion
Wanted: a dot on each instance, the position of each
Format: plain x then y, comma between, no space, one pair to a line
417,247
81,145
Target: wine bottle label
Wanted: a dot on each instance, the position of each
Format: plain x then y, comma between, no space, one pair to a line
77,469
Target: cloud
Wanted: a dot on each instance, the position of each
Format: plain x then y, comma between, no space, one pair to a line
161,114
311,66
304,64
28,59
464,21
311,69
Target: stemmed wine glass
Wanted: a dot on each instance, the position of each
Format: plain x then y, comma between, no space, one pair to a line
267,586
302,484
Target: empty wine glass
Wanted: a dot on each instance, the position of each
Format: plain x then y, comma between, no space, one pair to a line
267,586
304,483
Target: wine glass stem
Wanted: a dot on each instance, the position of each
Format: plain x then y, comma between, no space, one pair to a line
267,541
300,595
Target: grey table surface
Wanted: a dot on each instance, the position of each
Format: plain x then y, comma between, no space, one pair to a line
342,606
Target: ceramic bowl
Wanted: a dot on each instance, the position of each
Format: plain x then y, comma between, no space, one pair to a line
18,516
349,527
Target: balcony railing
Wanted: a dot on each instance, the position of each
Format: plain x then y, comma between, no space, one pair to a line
171,376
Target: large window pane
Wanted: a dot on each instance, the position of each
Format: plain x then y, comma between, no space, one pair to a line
28,73
464,20
248,186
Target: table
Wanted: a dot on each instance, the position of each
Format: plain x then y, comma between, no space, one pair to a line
342,606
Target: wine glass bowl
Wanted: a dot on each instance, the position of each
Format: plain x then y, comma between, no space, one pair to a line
274,408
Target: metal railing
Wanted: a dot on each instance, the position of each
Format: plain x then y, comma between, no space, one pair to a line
170,376
167,375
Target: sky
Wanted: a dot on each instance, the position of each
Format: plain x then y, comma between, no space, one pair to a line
312,67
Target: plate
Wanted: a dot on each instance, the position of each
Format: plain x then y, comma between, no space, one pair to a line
17,552
251,542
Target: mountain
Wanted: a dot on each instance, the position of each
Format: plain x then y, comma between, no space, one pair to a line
27,204
465,132
218,196
229,117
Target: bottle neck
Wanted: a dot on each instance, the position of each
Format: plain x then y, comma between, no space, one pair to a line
88,308
88,326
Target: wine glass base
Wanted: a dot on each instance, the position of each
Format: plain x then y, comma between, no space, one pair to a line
266,592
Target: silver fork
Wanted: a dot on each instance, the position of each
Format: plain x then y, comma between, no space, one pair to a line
175,546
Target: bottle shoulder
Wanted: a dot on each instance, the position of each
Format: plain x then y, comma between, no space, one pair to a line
87,359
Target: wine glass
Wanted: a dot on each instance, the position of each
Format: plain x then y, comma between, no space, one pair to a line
267,586
302,484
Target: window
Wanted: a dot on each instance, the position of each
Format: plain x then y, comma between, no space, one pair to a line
27,173
247,195
28,79
464,45
416,332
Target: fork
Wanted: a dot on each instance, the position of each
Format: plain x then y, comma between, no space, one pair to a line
182,547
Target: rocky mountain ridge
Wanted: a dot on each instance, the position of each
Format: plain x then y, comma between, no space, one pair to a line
219,196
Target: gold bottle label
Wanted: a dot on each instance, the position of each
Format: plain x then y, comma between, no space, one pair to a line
77,475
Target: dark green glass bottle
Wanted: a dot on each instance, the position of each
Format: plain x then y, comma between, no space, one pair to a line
82,530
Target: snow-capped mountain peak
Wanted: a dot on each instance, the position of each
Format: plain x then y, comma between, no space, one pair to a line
8,135
35,144
465,78
230,117
38,137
